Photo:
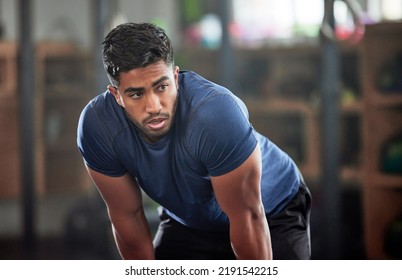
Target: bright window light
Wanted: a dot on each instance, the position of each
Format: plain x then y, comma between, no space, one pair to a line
262,20
392,9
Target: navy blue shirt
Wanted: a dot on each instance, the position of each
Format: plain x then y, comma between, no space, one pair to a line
210,136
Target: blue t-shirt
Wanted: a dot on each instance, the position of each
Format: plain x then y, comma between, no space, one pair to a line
210,136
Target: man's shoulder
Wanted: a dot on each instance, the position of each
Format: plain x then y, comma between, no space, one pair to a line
102,113
97,130
199,93
191,80
103,102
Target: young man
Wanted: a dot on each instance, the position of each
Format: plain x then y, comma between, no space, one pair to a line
226,190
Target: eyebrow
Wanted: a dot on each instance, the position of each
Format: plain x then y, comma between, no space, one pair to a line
137,89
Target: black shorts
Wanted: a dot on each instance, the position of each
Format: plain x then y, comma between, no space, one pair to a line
290,236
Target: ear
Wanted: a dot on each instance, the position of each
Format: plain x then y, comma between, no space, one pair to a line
116,94
176,76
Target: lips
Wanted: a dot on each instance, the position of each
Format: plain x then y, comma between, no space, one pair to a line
156,123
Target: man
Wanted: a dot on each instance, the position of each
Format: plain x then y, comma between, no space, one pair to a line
226,191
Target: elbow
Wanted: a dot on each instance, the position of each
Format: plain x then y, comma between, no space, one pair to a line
257,213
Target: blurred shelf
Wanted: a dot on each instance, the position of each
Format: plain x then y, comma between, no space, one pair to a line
10,169
63,85
277,104
386,100
386,181
382,117
351,174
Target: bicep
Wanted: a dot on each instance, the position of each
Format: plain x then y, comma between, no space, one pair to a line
121,194
221,137
238,191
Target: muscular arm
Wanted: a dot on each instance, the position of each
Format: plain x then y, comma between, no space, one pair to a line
238,193
124,203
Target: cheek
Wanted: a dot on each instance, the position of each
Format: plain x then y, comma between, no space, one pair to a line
134,115
133,110
172,100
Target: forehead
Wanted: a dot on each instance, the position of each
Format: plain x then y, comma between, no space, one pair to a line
145,76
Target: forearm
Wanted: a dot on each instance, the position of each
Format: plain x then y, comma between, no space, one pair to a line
133,239
123,198
134,251
250,238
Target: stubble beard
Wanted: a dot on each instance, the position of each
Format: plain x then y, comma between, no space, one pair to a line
149,135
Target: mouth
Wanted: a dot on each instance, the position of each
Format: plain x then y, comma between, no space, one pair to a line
156,123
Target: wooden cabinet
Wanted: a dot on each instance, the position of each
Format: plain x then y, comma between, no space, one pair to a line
9,122
285,103
381,55
63,89
293,127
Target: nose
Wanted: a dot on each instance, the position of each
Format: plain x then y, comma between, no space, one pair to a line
153,103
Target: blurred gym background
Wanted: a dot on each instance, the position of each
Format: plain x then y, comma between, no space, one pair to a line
321,78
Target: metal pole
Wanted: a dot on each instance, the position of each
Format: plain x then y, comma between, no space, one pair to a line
226,56
26,81
330,135
102,15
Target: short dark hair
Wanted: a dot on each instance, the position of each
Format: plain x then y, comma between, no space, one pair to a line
134,45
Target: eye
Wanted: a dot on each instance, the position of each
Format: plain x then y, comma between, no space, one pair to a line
162,87
136,94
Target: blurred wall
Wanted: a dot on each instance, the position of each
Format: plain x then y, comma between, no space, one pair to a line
72,20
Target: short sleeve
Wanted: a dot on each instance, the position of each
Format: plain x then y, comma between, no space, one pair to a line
96,145
221,135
